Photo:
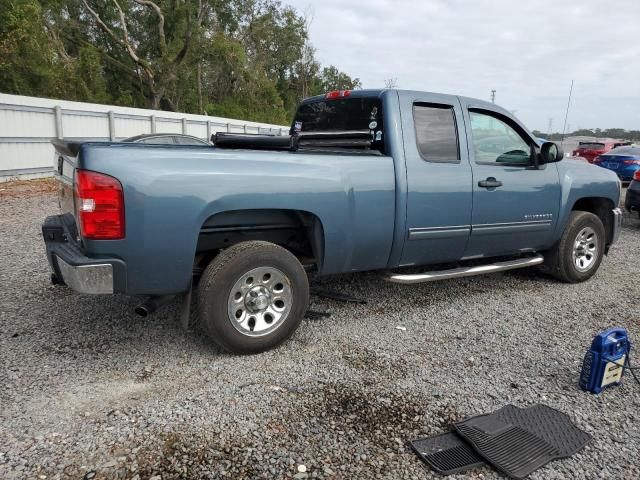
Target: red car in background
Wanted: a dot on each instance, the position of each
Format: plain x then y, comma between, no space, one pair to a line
590,150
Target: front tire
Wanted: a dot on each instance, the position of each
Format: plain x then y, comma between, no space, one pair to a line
578,254
252,297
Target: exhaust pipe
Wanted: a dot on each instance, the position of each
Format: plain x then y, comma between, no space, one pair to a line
152,304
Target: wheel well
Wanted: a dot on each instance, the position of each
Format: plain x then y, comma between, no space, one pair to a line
298,231
602,207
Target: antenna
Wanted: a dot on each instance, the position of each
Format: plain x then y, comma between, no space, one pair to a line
493,96
566,114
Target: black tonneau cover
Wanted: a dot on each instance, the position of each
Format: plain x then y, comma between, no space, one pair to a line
354,140
349,142
332,139
251,141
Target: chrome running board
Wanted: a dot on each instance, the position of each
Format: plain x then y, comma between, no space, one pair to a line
436,275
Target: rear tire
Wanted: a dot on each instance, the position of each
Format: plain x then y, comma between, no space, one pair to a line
578,254
252,297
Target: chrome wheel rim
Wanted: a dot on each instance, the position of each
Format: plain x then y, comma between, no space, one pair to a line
260,301
585,249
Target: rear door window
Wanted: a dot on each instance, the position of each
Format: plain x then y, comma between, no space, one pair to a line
163,140
189,141
436,133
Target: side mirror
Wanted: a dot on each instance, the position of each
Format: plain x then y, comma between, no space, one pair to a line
550,152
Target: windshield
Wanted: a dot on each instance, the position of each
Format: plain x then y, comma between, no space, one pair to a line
360,113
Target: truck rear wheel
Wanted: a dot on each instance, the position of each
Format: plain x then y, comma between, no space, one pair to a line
579,252
252,297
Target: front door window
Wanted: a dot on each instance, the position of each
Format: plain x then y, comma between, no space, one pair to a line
496,142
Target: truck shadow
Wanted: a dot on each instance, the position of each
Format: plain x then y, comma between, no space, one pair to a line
72,325
67,324
372,288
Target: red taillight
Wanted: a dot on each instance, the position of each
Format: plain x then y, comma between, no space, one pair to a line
636,176
99,206
337,94
631,162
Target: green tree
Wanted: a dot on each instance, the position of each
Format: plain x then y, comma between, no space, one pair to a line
27,61
239,58
148,40
333,79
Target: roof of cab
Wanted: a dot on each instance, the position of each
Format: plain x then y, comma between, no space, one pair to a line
367,92
376,92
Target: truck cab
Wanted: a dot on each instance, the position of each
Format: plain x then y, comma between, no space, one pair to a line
471,183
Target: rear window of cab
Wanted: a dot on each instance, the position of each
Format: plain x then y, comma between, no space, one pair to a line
341,114
591,146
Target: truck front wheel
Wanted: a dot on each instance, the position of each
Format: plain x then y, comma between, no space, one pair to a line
577,256
252,297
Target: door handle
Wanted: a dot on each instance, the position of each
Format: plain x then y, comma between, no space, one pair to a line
490,182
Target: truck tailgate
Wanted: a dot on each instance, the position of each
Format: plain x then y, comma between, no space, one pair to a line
65,161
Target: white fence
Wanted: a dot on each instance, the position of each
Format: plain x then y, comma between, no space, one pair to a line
28,124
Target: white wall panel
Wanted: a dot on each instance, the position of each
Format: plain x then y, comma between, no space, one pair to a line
27,124
24,156
129,127
197,129
168,126
15,123
75,126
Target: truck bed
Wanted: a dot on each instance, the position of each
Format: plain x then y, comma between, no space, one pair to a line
170,193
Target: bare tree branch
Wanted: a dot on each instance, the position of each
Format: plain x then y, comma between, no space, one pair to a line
101,23
161,34
189,33
59,45
124,41
391,83
126,69
125,34
158,81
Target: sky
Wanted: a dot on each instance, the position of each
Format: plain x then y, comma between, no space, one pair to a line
528,51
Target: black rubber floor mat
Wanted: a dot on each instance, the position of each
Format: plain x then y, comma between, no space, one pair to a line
518,441
446,453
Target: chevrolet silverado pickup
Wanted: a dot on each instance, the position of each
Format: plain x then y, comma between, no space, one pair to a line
366,180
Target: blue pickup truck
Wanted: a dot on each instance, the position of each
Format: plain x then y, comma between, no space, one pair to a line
366,180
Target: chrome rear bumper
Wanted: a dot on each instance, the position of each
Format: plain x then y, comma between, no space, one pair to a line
71,266
93,279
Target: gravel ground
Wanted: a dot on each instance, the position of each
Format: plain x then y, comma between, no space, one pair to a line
89,390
